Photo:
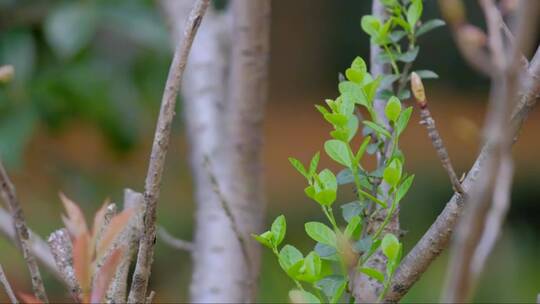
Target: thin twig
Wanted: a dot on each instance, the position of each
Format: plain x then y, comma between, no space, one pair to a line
150,297
38,247
436,239
160,146
8,194
7,287
170,240
417,88
228,211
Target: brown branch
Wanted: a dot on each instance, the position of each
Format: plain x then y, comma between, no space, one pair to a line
435,240
228,211
417,88
156,165
23,236
171,241
463,274
7,287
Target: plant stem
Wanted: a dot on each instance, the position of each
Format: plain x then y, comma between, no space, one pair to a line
386,219
392,60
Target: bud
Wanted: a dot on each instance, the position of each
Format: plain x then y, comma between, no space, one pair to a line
418,91
6,73
453,11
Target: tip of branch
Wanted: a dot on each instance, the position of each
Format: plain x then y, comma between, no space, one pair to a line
453,11
417,87
472,36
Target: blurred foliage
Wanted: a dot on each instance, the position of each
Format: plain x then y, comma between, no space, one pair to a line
99,62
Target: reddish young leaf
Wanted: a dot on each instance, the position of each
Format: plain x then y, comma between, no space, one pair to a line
116,226
74,222
28,298
105,275
82,262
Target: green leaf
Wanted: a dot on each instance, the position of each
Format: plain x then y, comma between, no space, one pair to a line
396,36
409,56
279,227
370,89
313,164
414,12
390,246
354,228
328,179
325,197
373,273
427,74
388,80
326,252
354,75
338,151
392,173
362,149
390,3
404,188
333,287
291,260
301,296
428,26
321,233
310,192
336,119
352,127
353,93
403,120
312,268
370,25
299,167
322,109
265,239
363,245
351,210
69,27
359,65
377,128
393,109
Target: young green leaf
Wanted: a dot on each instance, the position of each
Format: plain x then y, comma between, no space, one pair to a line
373,273
325,197
359,65
338,151
321,233
409,56
393,109
362,149
291,260
370,25
336,119
429,26
313,164
390,246
427,74
265,239
403,120
301,296
351,210
354,228
326,252
299,166
392,173
378,129
414,12
312,268
279,227
328,179
404,188
332,287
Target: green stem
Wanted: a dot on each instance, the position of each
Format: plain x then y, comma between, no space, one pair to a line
330,215
392,60
386,219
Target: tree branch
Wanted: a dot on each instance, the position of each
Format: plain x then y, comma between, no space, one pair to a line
435,240
417,88
7,287
62,250
7,191
159,151
173,242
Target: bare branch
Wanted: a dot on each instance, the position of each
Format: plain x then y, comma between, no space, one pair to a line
7,287
62,250
23,236
435,240
172,241
159,151
417,88
150,297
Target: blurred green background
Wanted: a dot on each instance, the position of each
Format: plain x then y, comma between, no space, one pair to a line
79,118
